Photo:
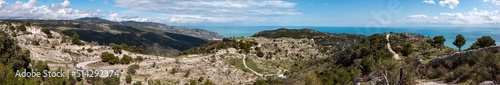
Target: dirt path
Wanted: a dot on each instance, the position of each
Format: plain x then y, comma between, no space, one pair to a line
395,55
83,65
245,64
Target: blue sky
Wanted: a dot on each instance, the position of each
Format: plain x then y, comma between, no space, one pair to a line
352,13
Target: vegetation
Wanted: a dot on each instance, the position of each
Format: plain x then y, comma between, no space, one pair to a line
110,58
482,42
459,41
126,59
132,69
75,39
138,59
118,48
251,64
238,63
13,58
407,50
90,50
128,79
212,47
480,66
438,41
137,83
260,54
329,42
47,31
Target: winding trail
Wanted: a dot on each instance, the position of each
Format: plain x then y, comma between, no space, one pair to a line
83,65
245,64
281,75
395,55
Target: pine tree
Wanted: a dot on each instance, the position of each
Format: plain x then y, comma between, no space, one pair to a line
459,41
439,41
482,42
75,38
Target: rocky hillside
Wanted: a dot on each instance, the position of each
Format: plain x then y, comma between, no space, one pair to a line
200,33
328,42
152,38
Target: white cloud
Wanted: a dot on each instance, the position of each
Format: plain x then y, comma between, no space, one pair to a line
2,4
219,11
495,2
429,1
473,17
450,3
417,16
119,17
29,10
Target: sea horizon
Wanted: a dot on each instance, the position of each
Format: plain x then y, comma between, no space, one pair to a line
470,33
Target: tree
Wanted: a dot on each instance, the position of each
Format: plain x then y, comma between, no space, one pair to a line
117,49
128,79
75,39
407,50
439,41
106,56
11,54
484,41
459,41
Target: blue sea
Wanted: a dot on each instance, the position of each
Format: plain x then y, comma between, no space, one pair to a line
470,34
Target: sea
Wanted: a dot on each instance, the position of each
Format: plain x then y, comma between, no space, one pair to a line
470,33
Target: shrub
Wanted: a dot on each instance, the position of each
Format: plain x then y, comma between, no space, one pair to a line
132,69
138,83
126,59
128,79
114,60
139,58
173,71
105,56
192,82
90,50
260,54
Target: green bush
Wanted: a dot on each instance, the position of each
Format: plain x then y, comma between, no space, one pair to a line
126,59
90,50
139,59
138,83
105,56
132,69
192,82
128,79
110,58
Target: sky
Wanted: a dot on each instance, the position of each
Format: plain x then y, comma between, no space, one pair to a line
348,13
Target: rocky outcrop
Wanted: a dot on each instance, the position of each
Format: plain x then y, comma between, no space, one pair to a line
461,56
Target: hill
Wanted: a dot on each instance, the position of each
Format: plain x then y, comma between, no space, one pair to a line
328,42
152,38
